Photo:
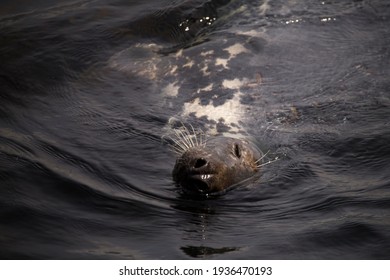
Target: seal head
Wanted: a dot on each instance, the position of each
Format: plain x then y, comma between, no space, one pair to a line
215,164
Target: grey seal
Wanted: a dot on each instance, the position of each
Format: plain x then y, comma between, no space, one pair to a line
211,165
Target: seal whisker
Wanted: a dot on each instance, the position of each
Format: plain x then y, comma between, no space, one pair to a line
194,134
200,137
178,149
181,145
203,137
258,164
263,156
268,162
188,136
178,146
180,134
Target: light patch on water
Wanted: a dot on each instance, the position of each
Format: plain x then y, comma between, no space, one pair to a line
327,19
204,63
171,90
189,64
232,111
292,21
206,88
179,53
233,51
234,84
264,7
205,70
256,33
139,59
147,69
236,49
152,46
173,70
208,53
222,61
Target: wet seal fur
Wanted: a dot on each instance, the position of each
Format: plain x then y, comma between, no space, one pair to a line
210,80
211,165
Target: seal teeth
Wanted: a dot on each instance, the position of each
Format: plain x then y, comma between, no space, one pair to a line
205,176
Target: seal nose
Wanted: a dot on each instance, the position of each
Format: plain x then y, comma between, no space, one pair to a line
199,163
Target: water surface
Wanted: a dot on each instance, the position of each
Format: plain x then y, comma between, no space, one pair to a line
87,89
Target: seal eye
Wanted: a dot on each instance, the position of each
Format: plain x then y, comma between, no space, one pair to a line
237,151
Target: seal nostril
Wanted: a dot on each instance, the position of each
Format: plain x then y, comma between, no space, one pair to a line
237,151
200,162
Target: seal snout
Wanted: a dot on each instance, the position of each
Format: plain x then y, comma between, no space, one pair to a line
199,175
194,171
215,165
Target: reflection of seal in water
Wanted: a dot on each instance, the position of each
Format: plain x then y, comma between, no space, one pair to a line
211,165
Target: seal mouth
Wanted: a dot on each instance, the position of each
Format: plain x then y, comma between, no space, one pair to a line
202,177
199,183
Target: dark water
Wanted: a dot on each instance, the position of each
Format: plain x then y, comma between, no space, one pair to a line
84,172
